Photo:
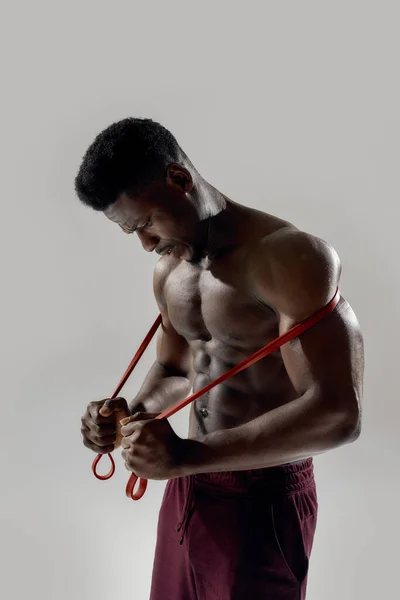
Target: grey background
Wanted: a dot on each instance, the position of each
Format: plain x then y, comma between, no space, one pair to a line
290,107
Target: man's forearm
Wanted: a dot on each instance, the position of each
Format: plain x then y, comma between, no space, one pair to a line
161,389
295,431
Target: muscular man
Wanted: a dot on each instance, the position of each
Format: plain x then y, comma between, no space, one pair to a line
240,507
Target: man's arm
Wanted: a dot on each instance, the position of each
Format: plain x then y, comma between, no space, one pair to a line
296,275
170,378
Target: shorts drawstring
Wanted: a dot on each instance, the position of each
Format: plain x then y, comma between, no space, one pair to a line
188,509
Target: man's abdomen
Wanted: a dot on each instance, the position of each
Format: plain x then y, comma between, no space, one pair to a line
252,392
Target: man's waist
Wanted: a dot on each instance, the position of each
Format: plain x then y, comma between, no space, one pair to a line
287,478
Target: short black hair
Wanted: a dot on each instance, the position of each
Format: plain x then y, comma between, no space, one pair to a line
125,157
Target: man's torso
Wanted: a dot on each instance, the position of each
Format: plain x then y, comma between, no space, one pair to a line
215,308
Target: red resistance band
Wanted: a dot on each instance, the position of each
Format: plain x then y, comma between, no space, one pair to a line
258,355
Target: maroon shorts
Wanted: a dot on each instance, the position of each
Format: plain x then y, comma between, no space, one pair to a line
236,535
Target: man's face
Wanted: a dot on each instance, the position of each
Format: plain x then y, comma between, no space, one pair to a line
162,217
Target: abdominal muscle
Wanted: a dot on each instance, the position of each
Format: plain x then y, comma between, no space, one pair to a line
254,391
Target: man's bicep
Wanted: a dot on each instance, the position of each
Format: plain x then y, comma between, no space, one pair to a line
328,359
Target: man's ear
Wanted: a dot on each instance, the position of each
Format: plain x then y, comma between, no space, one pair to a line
180,177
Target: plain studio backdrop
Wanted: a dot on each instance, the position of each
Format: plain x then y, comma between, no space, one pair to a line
289,107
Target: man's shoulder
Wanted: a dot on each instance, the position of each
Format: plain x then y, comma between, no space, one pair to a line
290,246
293,271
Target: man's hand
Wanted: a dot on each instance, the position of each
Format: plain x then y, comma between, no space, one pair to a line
152,449
101,429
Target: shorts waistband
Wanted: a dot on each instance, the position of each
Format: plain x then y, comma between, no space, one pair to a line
287,478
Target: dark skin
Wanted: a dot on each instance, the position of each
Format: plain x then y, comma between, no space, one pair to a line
230,280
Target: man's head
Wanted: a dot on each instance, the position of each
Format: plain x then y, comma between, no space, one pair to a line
138,176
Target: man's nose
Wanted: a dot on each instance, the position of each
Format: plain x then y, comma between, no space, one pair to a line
149,242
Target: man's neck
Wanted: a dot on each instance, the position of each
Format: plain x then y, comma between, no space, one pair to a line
220,224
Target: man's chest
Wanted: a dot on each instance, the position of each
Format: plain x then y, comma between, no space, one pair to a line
217,303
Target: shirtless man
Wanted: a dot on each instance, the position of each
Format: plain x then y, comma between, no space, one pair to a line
240,507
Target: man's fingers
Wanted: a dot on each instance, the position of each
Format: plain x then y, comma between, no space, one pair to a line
125,443
113,405
130,428
129,440
100,439
102,430
128,424
102,442
98,449
93,410
140,416
99,430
